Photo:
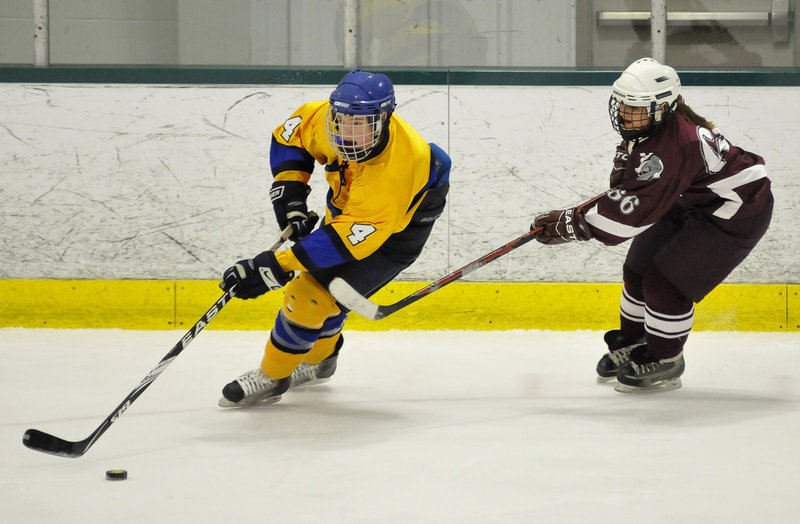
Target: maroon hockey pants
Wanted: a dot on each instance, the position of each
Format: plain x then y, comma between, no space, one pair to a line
675,264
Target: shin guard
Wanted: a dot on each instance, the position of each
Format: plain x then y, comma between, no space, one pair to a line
668,317
326,344
307,309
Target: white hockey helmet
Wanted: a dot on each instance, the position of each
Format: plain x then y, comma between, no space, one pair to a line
645,83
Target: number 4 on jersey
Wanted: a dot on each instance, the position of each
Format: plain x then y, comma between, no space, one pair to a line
289,126
359,233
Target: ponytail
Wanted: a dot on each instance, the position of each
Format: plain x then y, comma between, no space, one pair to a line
688,113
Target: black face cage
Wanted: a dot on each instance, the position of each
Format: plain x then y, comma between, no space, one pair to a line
616,120
613,113
355,140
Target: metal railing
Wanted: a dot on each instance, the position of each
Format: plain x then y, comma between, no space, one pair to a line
778,19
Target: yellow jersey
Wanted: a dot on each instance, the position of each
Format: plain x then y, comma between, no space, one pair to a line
367,202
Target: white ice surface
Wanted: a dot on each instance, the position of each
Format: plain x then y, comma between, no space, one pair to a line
415,427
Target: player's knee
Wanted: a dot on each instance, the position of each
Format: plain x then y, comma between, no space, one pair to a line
662,295
306,303
633,282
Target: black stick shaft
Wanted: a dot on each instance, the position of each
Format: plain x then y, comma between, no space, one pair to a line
46,443
457,274
346,295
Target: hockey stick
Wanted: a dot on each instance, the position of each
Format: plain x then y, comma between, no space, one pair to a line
46,443
346,295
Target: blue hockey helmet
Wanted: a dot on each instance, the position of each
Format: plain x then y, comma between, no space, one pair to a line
363,93
360,108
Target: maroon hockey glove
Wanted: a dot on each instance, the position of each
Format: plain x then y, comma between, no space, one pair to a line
620,162
561,225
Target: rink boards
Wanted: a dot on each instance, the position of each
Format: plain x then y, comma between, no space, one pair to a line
178,304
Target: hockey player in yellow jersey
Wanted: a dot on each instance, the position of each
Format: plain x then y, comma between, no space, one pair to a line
387,188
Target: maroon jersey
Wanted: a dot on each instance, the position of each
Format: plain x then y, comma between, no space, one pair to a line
684,165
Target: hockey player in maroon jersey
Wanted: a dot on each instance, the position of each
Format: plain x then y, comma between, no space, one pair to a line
693,204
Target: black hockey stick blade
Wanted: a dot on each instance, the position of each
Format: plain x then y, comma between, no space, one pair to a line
346,295
47,443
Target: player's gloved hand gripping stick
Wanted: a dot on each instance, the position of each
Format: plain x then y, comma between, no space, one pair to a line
46,443
346,295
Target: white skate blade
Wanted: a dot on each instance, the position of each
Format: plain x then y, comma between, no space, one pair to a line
603,380
225,403
664,385
314,382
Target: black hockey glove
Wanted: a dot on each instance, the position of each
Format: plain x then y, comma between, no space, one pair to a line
289,202
561,225
620,162
255,276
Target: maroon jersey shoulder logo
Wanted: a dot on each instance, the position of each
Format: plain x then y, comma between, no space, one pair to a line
714,148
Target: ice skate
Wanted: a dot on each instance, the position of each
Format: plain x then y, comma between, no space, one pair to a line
254,387
619,350
645,372
313,374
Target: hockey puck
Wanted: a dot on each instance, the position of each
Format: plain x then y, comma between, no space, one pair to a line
116,474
